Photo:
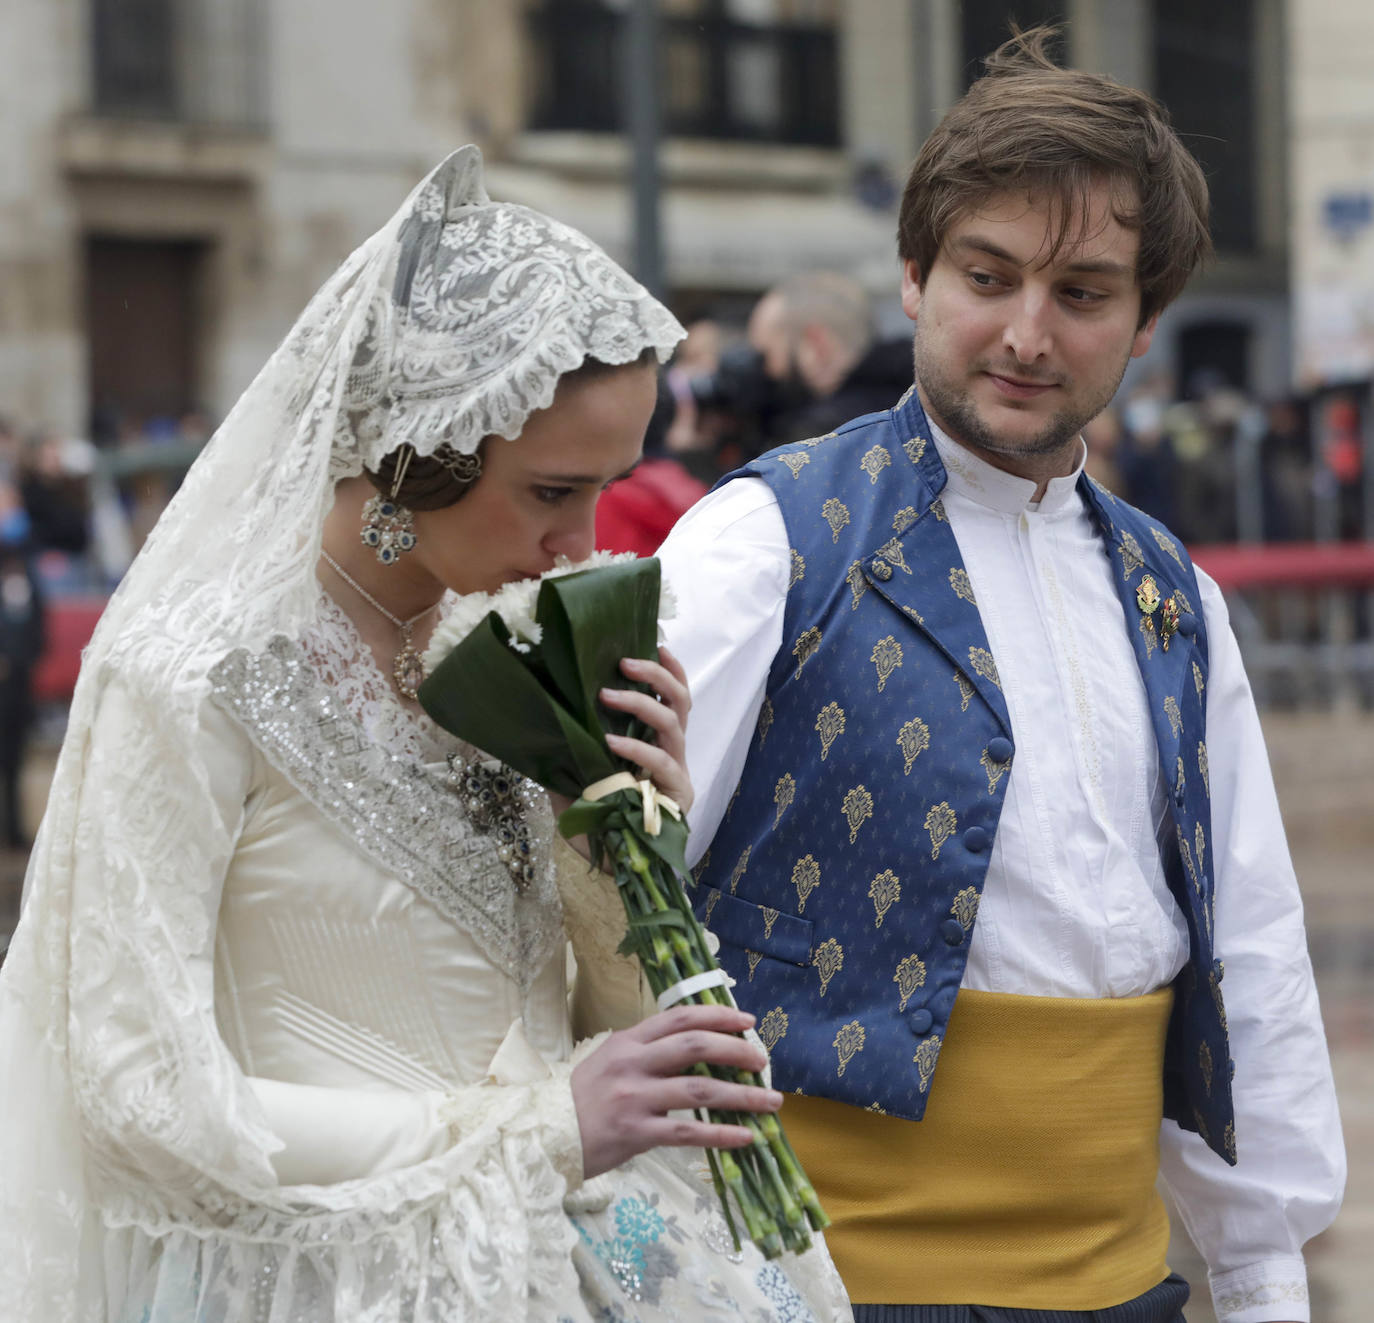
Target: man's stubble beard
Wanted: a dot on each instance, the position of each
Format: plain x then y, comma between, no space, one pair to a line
955,412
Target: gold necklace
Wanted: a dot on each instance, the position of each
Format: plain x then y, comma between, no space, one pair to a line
407,668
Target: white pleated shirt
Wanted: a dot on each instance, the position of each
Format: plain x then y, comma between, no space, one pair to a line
1075,903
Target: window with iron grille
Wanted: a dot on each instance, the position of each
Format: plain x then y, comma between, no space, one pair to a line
193,61
751,70
1205,74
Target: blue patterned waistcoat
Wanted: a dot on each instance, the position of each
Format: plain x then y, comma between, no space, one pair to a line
844,879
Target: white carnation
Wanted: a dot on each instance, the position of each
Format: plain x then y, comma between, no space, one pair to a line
515,603
462,618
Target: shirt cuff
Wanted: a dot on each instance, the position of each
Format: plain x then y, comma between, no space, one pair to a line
1275,1289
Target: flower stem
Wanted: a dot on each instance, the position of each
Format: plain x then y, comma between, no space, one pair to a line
764,1181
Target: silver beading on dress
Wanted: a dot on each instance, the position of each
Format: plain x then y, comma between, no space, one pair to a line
405,816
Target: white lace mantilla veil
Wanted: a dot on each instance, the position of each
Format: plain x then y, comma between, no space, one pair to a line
452,323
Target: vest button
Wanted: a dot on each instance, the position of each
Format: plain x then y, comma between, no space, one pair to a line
1187,625
920,1021
975,840
882,570
953,932
1000,749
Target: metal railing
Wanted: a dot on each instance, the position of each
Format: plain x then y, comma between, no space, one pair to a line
201,62
1303,614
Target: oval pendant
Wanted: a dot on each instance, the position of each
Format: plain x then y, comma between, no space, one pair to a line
408,670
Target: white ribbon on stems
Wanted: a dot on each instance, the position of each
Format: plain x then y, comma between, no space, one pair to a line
656,803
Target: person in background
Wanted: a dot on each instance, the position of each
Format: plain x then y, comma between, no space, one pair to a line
53,483
815,334
638,511
1286,472
21,645
984,816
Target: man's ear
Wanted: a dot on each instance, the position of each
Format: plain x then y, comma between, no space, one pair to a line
1143,337
911,288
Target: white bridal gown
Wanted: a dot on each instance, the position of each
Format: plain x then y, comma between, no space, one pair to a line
325,1078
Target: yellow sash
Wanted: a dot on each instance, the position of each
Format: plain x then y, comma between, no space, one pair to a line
1031,1181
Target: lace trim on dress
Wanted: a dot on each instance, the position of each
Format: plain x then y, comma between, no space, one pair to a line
336,650
478,1233
402,815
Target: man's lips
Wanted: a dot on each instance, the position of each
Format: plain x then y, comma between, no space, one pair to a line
1019,388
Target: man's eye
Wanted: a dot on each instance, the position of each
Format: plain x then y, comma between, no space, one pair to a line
1076,295
984,279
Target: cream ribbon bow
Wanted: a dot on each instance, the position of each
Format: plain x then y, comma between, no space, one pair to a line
656,803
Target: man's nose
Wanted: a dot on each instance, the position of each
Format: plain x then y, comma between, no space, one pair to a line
1027,332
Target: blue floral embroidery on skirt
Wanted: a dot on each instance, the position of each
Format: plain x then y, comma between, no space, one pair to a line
636,1256
782,1295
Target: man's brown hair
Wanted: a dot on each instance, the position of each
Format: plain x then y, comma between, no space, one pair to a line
1030,126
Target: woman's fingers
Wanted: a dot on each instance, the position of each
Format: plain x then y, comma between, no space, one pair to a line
627,1090
687,1132
660,717
703,1091
675,667
659,765
665,761
664,714
679,1052
691,1015
668,682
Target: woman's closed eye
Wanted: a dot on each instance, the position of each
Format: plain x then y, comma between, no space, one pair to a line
551,495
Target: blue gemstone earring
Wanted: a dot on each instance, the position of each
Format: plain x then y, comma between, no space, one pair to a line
388,526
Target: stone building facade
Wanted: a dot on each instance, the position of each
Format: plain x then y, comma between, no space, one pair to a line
177,176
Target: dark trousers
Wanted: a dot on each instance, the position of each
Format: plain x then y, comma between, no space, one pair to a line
1162,1304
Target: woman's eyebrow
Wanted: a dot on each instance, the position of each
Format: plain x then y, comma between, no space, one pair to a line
582,478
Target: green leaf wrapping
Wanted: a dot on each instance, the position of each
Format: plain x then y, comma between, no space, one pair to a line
484,693
590,622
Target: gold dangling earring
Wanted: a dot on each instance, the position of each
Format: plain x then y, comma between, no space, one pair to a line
388,526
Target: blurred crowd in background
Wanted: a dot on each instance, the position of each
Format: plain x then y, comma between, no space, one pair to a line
1215,464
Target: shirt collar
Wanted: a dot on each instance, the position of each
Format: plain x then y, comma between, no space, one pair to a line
978,481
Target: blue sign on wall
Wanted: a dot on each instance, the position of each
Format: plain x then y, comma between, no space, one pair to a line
1346,214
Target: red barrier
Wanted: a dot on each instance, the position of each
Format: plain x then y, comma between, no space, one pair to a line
72,620
69,624
1288,564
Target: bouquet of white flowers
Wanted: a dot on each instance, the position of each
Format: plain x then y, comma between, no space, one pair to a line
517,673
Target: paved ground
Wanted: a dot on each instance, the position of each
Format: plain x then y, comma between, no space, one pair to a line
1324,767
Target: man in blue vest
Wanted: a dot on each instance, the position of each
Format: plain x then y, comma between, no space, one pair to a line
984,813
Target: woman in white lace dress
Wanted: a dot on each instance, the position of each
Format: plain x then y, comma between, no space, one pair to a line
285,1028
